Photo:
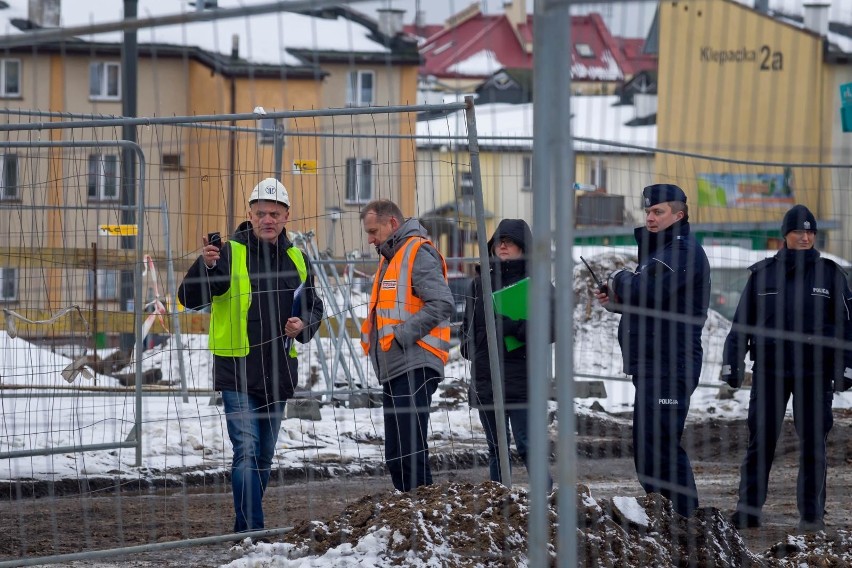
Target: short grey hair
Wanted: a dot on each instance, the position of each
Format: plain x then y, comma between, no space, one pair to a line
383,208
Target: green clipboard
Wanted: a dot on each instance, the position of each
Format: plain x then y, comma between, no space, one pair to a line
511,302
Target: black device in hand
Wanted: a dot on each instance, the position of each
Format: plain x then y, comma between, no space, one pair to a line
602,288
214,239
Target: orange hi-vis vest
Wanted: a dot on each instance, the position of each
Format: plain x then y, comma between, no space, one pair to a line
393,301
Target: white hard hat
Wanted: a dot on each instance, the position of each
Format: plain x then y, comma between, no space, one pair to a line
270,189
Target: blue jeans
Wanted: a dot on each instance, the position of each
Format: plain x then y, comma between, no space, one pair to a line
253,427
406,401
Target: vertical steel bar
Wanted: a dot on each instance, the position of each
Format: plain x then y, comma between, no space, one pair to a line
550,123
490,331
129,197
138,292
561,148
95,305
278,149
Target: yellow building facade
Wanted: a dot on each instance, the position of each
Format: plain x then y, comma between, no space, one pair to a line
739,86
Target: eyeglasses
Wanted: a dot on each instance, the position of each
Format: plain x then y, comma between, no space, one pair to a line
504,241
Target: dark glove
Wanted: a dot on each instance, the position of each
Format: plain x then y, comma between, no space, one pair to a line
845,382
733,376
511,327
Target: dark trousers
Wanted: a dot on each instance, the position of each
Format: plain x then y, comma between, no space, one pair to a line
813,419
407,400
516,425
659,417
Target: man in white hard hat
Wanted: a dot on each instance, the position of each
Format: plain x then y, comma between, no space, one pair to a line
261,289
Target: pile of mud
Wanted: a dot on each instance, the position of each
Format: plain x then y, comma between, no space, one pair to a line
461,525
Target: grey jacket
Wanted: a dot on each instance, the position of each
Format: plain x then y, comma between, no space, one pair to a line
430,286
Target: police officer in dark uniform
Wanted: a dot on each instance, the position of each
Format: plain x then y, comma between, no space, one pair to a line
793,318
664,305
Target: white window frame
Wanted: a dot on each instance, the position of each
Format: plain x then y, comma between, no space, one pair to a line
8,284
9,178
5,91
355,86
266,138
99,70
526,173
97,175
109,282
598,172
359,180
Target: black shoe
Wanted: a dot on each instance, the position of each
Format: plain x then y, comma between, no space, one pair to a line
811,526
745,521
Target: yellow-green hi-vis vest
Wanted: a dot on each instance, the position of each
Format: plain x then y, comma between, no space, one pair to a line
228,335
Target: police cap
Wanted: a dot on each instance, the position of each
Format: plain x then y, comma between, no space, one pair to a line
662,193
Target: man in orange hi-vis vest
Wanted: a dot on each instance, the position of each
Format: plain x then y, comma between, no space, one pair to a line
406,335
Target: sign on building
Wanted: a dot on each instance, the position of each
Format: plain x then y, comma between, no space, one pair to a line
118,230
846,107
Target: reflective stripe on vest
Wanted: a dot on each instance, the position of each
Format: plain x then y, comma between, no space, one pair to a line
228,335
393,301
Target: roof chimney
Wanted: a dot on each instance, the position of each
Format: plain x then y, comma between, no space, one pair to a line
44,13
761,6
816,15
516,12
390,21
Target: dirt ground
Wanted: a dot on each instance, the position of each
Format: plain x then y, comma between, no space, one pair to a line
37,527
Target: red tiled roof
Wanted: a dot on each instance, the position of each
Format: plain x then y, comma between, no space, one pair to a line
632,50
483,32
493,33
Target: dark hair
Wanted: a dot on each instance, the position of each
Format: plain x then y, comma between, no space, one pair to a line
383,208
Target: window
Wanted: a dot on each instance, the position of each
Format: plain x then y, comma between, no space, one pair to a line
172,162
10,78
104,81
465,183
597,173
8,284
359,180
103,177
526,174
584,50
359,88
107,285
9,177
268,125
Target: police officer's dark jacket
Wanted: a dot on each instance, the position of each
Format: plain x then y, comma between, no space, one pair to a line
271,373
801,300
664,304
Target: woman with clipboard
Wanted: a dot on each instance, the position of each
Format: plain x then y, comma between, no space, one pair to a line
509,277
